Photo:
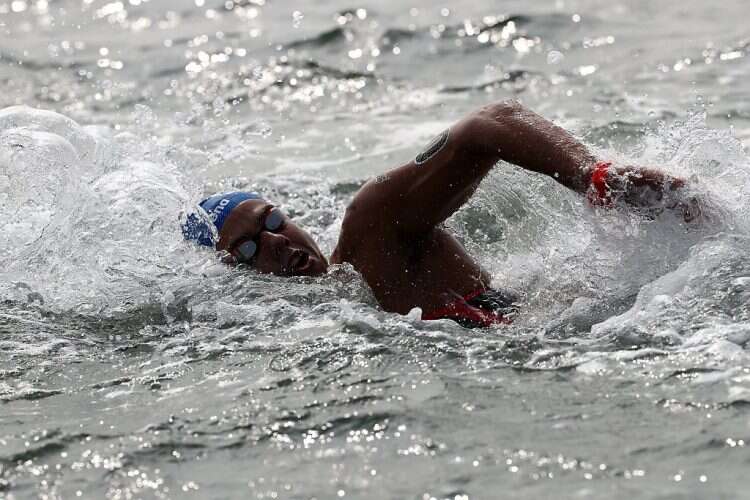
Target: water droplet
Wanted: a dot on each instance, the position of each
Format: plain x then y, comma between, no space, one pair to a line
18,6
555,57
297,18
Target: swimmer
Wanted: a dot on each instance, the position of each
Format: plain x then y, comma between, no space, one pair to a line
391,232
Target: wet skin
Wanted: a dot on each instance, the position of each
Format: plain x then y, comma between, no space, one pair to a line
391,232
286,251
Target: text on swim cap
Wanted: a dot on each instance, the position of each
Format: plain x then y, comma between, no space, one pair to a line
214,214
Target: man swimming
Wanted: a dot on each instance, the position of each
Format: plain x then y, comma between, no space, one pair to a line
391,232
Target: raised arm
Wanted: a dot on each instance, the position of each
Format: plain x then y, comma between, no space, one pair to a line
423,193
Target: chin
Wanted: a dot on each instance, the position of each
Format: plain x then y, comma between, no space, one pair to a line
317,267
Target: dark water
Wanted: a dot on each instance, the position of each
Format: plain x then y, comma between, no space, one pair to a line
133,365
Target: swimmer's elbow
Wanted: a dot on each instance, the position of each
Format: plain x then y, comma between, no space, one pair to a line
501,110
488,129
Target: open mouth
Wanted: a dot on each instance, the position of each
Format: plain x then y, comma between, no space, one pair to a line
298,261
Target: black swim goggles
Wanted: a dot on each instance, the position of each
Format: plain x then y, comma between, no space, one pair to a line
247,250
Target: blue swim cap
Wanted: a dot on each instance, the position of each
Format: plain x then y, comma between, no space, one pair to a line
213,212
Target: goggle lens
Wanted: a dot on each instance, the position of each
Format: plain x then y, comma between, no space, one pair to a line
274,220
247,250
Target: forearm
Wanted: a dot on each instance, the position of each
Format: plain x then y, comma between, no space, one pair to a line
510,132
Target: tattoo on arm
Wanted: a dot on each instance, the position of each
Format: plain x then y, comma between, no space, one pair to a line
432,148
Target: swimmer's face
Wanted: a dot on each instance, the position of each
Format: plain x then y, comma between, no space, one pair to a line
285,251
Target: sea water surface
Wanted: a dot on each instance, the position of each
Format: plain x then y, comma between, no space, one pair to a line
135,365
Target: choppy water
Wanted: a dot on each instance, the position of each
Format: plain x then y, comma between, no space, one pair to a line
133,365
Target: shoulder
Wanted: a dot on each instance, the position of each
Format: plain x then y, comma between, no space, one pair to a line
364,212
369,218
